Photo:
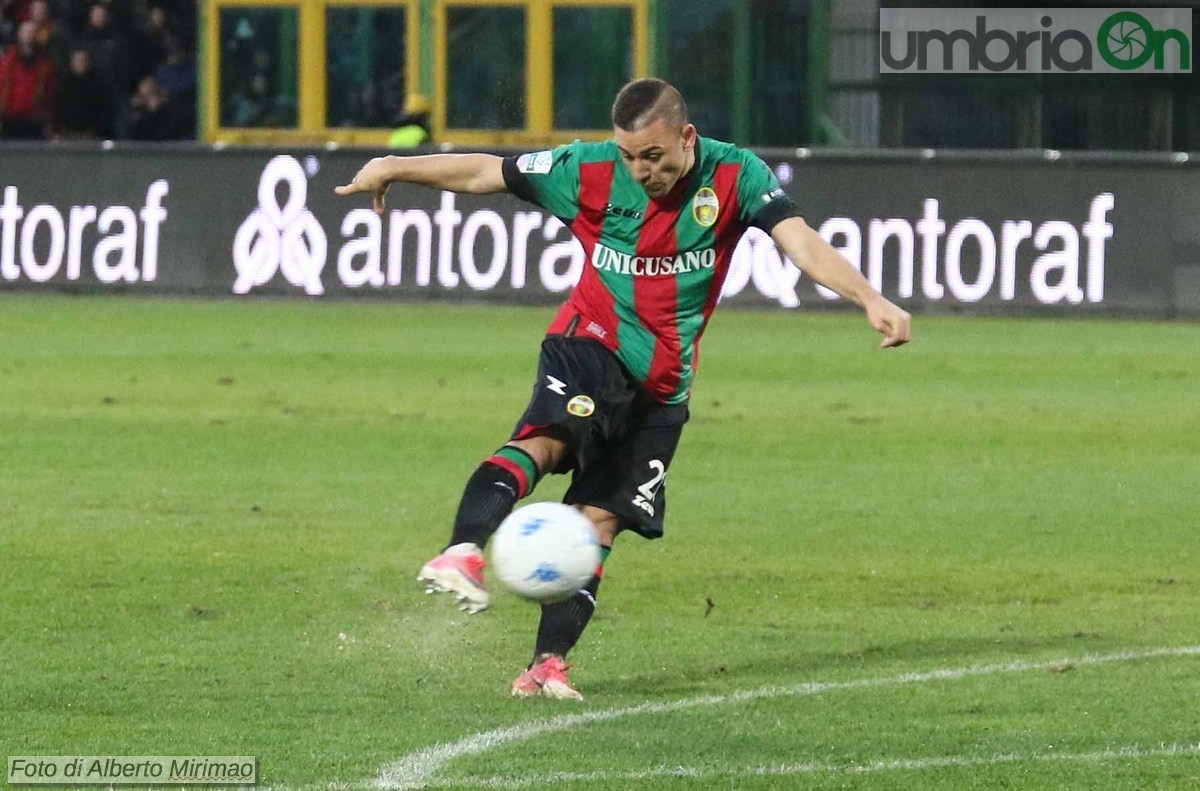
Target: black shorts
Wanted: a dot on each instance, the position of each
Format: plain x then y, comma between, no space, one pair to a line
621,440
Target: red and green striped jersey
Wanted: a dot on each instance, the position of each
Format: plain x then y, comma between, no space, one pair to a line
654,268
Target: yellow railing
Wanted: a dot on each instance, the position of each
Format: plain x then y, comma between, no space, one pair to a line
311,127
539,72
425,35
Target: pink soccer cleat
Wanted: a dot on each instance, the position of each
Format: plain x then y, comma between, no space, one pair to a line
458,570
546,678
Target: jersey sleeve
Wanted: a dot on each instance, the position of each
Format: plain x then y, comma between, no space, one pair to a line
549,179
762,202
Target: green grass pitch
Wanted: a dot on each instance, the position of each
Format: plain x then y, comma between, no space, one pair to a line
939,567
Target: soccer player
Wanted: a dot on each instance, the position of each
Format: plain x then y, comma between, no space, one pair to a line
659,210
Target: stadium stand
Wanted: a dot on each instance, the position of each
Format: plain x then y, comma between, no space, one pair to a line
97,69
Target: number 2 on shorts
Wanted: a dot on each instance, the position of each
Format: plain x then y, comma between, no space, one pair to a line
646,492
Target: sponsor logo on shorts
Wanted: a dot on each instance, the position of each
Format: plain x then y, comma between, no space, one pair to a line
581,406
705,207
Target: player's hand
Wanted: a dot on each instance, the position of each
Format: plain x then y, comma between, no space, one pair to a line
891,321
373,177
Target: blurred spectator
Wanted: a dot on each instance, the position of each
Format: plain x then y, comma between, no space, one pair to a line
16,11
27,87
412,129
76,13
177,70
109,50
100,51
82,111
257,100
163,107
147,46
150,112
49,36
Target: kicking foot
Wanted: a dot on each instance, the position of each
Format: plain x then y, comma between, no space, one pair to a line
458,571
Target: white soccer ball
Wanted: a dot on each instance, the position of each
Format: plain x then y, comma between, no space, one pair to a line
545,552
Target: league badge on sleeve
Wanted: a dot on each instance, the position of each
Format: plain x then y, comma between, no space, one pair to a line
538,163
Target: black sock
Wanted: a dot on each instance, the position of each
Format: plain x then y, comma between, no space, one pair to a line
563,622
491,493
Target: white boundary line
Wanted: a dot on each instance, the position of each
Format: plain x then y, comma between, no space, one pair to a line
417,769
552,779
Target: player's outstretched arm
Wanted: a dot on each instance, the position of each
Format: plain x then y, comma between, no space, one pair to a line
817,259
475,173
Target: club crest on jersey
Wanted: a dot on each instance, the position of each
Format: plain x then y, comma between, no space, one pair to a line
581,406
705,207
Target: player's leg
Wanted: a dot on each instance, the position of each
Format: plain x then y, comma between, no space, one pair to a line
501,480
551,436
625,491
492,491
562,623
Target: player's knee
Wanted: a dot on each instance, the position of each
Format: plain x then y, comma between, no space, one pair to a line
547,449
607,524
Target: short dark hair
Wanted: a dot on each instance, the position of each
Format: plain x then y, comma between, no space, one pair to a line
642,102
